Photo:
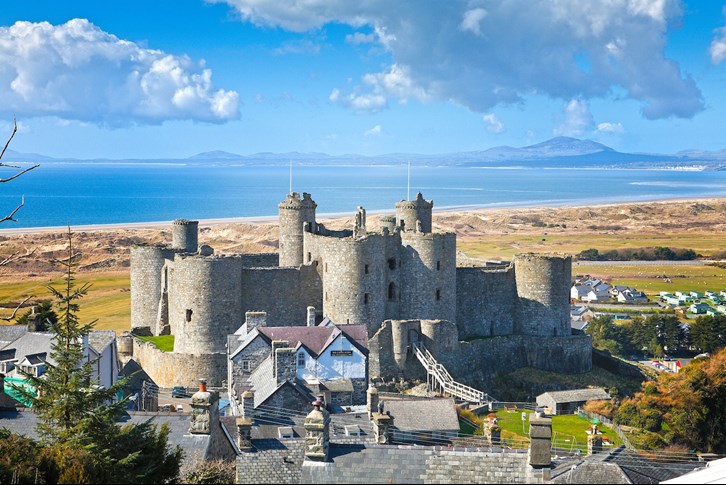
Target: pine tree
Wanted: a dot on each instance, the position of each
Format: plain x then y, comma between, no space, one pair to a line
78,418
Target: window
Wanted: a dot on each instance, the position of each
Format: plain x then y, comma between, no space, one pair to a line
246,365
189,315
365,268
366,298
391,263
438,294
438,265
326,267
310,256
301,359
392,291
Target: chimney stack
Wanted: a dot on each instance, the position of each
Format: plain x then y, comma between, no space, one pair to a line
284,363
311,316
372,395
317,433
540,433
205,410
248,405
244,434
254,320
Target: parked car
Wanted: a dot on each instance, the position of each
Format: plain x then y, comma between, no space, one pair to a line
179,391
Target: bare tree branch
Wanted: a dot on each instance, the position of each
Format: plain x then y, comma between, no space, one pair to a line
15,257
17,174
12,135
12,317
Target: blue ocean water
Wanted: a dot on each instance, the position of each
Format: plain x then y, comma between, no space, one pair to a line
59,194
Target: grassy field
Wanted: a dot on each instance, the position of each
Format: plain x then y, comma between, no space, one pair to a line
108,299
568,430
648,278
506,246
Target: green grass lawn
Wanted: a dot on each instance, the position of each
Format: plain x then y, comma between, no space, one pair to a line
567,430
646,278
162,342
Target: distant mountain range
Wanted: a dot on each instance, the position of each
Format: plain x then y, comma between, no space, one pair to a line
559,152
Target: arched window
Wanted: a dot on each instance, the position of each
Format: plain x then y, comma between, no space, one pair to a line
392,291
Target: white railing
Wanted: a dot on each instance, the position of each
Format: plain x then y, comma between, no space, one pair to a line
437,374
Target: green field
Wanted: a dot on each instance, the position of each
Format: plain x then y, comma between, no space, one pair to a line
649,280
108,299
506,246
567,430
164,343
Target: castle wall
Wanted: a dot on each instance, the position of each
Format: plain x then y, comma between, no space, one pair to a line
204,302
284,293
169,369
485,301
147,263
543,288
262,260
428,278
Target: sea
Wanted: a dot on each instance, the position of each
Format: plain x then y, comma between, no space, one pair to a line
76,194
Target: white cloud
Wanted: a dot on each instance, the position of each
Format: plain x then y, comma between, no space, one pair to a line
363,103
76,71
301,46
360,38
577,120
520,47
718,45
375,131
472,20
609,128
373,95
493,124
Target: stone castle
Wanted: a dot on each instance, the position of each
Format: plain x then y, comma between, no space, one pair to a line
400,280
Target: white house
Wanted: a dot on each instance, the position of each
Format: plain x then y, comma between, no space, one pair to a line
632,296
328,359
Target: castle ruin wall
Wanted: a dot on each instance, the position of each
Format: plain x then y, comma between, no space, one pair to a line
485,301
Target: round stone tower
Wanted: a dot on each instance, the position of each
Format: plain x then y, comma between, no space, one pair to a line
428,276
147,265
543,290
185,235
205,302
294,213
411,213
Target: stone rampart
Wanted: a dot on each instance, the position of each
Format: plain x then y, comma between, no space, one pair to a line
169,369
485,301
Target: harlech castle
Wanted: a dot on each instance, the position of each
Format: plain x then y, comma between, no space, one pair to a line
400,280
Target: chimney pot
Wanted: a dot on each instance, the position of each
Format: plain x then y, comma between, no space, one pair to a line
202,385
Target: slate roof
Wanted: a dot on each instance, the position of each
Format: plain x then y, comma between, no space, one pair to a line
10,333
576,395
317,339
31,343
100,339
423,414
618,466
7,354
263,381
35,359
713,472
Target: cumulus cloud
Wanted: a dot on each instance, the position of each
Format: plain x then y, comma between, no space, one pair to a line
472,19
577,119
493,123
360,103
373,95
519,47
76,71
375,131
610,128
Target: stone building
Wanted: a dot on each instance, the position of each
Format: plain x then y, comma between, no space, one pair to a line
399,280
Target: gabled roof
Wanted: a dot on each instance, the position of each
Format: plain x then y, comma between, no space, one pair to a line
577,395
10,333
317,339
32,343
35,359
100,339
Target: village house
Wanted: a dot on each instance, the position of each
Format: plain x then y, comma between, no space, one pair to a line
559,402
297,362
630,295
699,308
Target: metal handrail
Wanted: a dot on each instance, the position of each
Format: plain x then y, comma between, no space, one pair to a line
444,378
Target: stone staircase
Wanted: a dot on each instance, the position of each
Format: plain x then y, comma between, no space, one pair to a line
439,377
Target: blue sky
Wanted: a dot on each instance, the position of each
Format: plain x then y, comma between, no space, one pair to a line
157,79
